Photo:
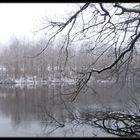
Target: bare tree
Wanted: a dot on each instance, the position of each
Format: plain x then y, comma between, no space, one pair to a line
110,32
103,26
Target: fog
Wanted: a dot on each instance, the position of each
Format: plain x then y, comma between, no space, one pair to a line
24,19
69,66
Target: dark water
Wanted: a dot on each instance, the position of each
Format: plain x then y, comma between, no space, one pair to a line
43,111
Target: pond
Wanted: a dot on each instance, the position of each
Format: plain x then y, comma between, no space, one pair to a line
43,110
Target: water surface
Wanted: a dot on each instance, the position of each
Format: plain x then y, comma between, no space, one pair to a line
39,110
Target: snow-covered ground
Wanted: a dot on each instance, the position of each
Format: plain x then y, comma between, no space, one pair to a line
34,81
30,80
105,81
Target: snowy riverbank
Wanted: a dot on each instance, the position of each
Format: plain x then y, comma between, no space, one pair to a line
34,82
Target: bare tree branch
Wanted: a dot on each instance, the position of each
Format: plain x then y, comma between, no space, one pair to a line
121,55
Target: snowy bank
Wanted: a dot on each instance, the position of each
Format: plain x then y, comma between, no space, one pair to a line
34,81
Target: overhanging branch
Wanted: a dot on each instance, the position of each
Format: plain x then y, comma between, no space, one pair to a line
120,56
127,9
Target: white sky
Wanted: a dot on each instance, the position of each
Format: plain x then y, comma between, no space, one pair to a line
22,19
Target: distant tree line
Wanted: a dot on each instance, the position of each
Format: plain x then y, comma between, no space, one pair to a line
19,61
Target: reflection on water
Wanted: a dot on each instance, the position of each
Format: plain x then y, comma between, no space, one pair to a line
38,110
